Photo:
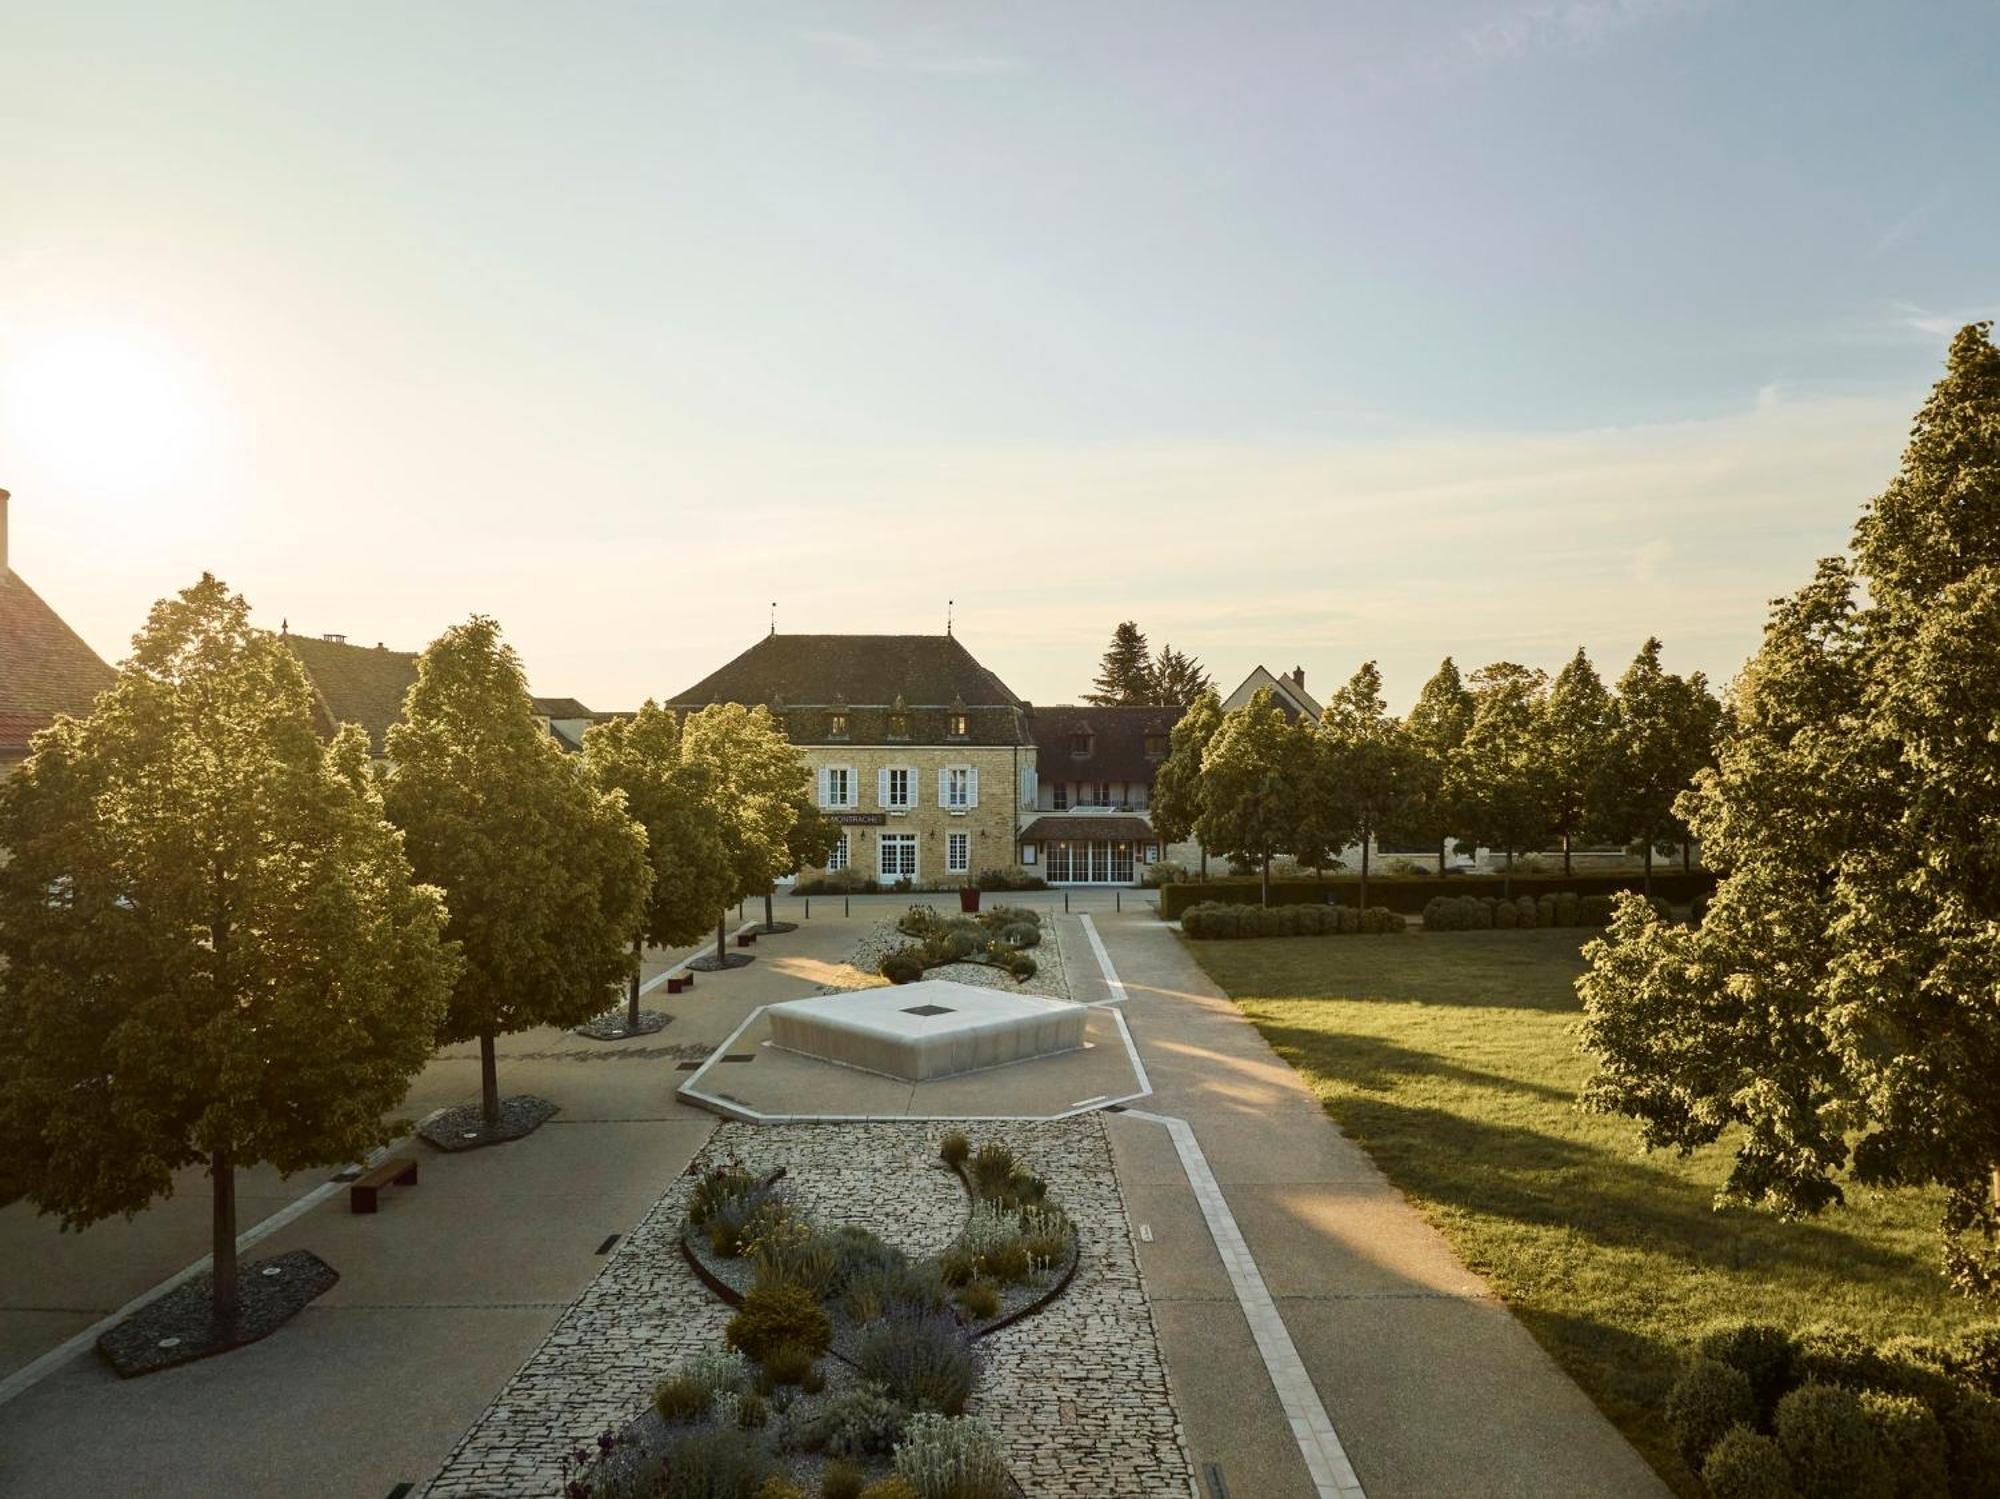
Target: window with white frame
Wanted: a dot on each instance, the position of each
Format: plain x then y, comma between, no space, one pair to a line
898,788
958,787
836,786
957,853
838,858
1061,795
898,856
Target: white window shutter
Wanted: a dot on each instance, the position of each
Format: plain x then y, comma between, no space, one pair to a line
972,786
823,777
853,787
944,786
882,787
916,783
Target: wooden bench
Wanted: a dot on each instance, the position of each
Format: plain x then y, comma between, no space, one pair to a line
746,939
362,1190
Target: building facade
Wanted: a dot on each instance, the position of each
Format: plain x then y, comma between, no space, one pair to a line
45,667
918,753
1095,768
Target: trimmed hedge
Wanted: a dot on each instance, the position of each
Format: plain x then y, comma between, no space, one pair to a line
1409,894
1219,919
1483,913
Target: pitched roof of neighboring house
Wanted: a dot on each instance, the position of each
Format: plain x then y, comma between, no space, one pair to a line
871,679
1117,739
1098,827
1288,691
45,668
355,684
561,707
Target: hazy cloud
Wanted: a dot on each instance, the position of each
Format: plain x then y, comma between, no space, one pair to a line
917,53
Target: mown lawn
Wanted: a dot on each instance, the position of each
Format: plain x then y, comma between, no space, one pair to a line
1451,1057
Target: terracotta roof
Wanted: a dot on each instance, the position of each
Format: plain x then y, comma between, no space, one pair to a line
1110,828
355,683
45,668
1117,742
808,679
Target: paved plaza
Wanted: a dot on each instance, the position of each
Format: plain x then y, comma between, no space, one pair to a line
1318,1337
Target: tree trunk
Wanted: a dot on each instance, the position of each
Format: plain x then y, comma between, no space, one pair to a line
1267,879
1566,868
222,1173
632,1009
1364,869
1507,877
769,920
1687,858
1204,863
1649,867
489,1081
721,940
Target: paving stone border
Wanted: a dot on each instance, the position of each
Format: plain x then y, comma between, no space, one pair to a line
1078,1392
611,1025
465,1127
269,1293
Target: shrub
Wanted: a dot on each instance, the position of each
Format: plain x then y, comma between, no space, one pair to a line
788,1364
1015,877
1708,1399
1506,916
717,1186
682,1399
993,1166
1972,1435
775,1316
1568,909
1833,1447
1831,1355
735,1220
1545,912
1479,913
891,1487
1975,1356
1594,910
1022,934
841,1480
904,1287
1163,872
775,1487
722,1371
1913,1442
945,1459
925,1362
1020,965
1008,1263
954,1149
751,1411
799,1257
857,1252
903,966
726,1463
979,1300
1761,1352
857,1423
1744,1465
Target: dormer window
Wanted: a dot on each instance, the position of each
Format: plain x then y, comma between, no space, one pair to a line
955,726
836,726
899,726
1079,744
1156,746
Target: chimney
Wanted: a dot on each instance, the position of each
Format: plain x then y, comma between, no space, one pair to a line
3,533
1299,677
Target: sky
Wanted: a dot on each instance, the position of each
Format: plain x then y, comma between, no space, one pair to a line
1302,333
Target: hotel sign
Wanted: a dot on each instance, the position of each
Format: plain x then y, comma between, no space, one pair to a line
858,819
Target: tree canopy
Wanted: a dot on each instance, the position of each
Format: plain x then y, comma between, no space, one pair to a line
1661,732
1124,676
760,788
1175,679
1501,785
1578,721
1367,764
1256,777
545,873
214,951
1177,784
1835,1012
1433,735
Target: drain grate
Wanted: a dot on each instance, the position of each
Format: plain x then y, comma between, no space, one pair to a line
1212,1474
739,1056
605,1247
687,1066
401,1490
928,1010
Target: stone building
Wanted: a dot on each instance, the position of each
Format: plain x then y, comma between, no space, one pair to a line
921,755
45,668
1095,769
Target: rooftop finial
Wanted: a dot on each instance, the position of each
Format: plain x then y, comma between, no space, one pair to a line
774,616
947,614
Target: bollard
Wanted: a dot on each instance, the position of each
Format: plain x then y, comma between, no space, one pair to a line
847,905
1065,903
809,908
1118,900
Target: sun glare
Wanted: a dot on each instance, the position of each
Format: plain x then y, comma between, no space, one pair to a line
103,414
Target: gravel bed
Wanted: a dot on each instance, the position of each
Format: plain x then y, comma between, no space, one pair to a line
1078,1392
611,1025
269,1293
1048,980
465,1127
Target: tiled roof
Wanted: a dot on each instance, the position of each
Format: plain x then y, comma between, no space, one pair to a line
355,683
45,668
807,679
560,707
1117,742
1096,826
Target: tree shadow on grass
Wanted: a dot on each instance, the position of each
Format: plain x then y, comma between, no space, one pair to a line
1377,1065
1463,970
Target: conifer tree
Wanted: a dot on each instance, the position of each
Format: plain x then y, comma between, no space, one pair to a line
1124,677
211,947
1175,679
1834,1012
1579,720
1177,784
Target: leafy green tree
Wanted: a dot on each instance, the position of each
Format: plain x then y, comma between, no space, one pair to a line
1177,785
545,873
1834,1013
674,801
1661,733
1579,719
211,947
1124,676
761,786
1175,679
1367,759
808,845
1256,778
1501,781
1434,734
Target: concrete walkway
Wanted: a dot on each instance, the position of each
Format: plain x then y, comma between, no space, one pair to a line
1433,1388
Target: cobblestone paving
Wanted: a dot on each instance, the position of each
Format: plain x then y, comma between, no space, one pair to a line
1078,1391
